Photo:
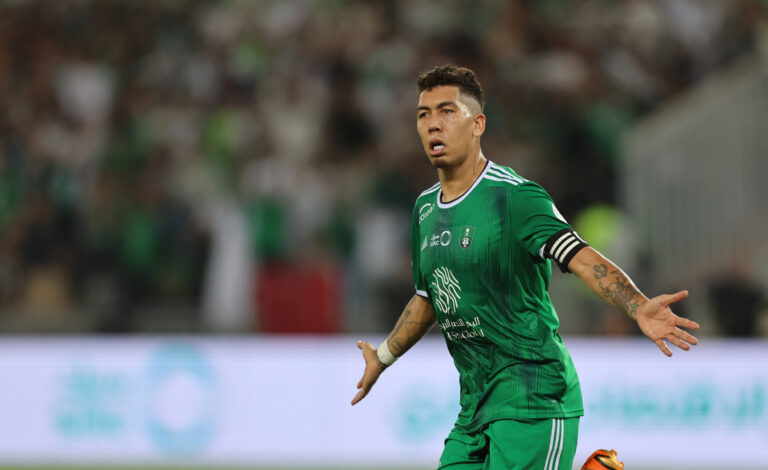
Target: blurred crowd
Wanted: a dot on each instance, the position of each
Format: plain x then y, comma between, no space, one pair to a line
159,161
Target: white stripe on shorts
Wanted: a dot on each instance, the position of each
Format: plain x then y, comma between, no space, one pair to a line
551,441
555,445
559,451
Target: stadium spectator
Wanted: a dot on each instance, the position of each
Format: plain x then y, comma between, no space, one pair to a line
124,117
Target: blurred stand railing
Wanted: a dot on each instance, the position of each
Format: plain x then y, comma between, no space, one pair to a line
694,182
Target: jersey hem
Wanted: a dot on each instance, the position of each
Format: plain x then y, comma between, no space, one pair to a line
519,416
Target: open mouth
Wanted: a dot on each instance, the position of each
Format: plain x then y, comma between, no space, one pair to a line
436,147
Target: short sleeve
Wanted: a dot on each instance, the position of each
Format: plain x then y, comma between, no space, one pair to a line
535,216
418,279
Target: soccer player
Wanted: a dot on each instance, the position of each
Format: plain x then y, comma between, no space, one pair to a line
482,242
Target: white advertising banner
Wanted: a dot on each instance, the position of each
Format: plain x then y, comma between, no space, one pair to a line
286,401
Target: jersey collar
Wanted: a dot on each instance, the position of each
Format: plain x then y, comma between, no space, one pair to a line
446,205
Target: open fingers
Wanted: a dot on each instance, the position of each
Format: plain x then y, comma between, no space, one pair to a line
360,395
364,388
686,323
667,299
678,342
685,336
362,392
663,346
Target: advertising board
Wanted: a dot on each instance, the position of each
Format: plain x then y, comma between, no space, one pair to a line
274,400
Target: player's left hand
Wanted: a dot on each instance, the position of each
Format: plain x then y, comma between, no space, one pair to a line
658,323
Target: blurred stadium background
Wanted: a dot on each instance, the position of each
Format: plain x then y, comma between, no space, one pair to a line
204,204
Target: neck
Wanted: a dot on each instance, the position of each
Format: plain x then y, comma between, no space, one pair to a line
457,180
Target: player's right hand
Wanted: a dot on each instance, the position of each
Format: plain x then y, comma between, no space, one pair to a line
373,369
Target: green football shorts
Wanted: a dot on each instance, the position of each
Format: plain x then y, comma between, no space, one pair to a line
546,444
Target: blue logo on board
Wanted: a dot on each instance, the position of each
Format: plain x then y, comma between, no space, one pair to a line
181,402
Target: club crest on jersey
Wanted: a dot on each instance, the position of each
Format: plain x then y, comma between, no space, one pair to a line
467,234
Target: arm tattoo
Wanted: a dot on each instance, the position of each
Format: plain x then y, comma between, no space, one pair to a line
618,289
601,270
632,307
397,347
399,342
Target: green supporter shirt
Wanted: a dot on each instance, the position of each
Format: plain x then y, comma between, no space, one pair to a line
479,260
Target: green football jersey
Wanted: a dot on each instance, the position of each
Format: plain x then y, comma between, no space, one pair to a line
480,261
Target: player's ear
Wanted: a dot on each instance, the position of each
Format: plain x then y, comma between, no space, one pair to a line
479,126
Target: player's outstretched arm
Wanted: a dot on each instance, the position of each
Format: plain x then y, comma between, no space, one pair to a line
653,316
417,319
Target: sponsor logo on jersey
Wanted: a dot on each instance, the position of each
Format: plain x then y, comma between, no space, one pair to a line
467,234
446,290
445,238
461,330
425,210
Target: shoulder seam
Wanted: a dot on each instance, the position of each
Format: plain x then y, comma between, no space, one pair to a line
505,175
431,189
502,179
507,172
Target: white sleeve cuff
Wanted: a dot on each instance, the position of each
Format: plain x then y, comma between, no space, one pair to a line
422,293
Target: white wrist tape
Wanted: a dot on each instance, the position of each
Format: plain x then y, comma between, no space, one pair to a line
385,355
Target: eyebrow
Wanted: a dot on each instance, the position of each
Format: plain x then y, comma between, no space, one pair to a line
441,105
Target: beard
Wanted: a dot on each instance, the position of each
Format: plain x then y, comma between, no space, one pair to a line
441,162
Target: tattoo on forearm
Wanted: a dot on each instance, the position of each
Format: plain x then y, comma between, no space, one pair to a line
606,291
400,340
601,270
618,289
400,322
397,347
632,308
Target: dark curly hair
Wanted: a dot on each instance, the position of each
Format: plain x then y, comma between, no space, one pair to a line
452,75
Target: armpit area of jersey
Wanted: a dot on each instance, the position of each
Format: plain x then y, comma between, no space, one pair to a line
562,247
